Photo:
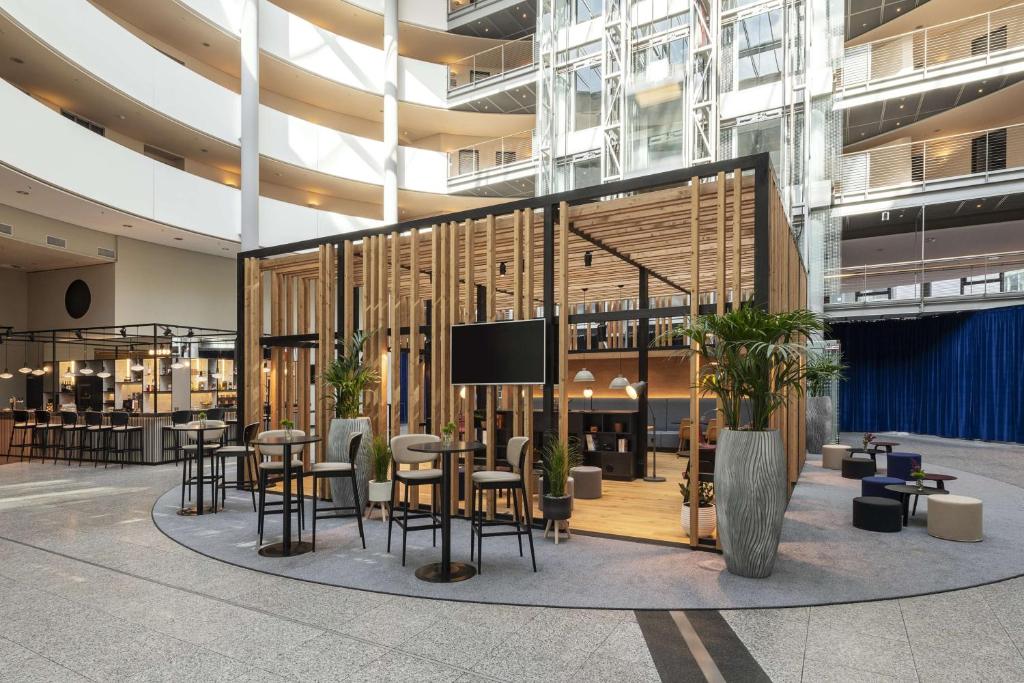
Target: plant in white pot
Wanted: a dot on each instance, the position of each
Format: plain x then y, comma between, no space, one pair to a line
706,515
346,379
822,370
750,357
380,463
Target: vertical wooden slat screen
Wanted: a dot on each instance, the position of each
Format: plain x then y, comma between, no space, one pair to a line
563,322
382,334
528,313
693,358
469,402
395,323
492,440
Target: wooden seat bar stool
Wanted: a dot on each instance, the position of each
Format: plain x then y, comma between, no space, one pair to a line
401,455
97,438
23,429
213,435
126,438
336,470
246,464
69,438
514,483
272,472
42,441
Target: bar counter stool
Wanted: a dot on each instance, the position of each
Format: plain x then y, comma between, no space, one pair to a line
513,482
23,428
248,462
178,418
272,472
69,438
97,438
401,455
213,433
335,470
42,431
127,438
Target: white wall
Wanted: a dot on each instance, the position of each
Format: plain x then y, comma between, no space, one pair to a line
153,283
46,290
13,313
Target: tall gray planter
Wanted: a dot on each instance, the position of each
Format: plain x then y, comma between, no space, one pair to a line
819,422
337,451
750,495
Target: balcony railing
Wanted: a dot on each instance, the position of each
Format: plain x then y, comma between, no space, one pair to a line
492,63
978,276
491,154
913,165
978,39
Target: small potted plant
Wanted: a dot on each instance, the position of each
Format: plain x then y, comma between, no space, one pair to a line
201,417
559,458
706,516
867,439
918,475
380,462
822,371
287,426
448,433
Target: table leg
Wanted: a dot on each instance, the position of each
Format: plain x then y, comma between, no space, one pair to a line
906,508
286,521
940,485
199,472
446,517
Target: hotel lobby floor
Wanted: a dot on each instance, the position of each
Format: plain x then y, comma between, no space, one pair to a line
90,589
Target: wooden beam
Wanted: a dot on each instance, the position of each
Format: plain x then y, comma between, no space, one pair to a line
694,358
737,201
490,424
396,337
562,284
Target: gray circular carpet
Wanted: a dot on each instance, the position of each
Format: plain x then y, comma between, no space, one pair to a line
822,558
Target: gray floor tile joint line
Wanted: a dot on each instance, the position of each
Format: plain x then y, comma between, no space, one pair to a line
700,653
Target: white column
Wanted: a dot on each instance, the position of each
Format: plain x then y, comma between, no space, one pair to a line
390,111
250,142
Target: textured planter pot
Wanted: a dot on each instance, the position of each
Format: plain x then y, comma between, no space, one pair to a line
819,422
337,451
707,521
557,509
750,494
379,491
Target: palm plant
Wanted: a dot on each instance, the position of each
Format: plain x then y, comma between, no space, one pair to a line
559,458
751,355
348,377
823,369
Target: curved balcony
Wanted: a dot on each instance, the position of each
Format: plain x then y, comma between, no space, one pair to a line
41,144
93,42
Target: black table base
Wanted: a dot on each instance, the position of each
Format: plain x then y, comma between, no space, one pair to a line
278,549
193,511
434,573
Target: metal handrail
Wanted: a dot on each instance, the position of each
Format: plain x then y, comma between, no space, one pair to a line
492,63
491,154
911,165
974,38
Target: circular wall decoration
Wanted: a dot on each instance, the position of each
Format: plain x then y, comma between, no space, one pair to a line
77,299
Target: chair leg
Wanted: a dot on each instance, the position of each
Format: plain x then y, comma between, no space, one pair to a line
263,506
515,512
435,496
405,523
250,459
315,482
359,509
480,535
529,523
472,525
391,512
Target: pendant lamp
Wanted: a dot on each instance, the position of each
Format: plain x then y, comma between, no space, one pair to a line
584,375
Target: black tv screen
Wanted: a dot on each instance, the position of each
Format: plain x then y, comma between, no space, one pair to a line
509,352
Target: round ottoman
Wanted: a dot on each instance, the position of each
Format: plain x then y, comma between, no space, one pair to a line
858,468
900,465
954,518
832,455
875,486
588,481
872,513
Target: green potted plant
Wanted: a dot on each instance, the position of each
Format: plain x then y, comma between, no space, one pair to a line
380,464
558,458
867,439
918,475
448,433
346,380
287,426
201,418
706,517
822,369
752,360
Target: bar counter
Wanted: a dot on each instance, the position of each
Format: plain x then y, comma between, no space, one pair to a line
156,441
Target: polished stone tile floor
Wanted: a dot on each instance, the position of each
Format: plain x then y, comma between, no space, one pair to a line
91,590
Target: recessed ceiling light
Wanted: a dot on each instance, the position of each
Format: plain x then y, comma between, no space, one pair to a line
122,117
24,192
205,44
17,60
178,239
203,150
126,225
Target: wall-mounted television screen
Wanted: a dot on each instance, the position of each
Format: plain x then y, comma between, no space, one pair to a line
510,352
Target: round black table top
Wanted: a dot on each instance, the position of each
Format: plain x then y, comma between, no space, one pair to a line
884,443
939,477
197,428
908,489
453,447
281,439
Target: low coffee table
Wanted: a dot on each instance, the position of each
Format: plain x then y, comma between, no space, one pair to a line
939,479
906,491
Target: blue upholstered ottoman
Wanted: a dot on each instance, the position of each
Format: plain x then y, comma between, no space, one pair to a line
875,486
899,465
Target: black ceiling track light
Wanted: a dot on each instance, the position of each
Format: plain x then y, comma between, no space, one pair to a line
502,268
588,259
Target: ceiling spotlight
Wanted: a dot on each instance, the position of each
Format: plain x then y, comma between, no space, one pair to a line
190,333
636,390
124,332
167,332
502,268
588,259
78,334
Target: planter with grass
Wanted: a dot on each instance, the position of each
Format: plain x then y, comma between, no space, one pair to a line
821,372
558,458
707,519
380,461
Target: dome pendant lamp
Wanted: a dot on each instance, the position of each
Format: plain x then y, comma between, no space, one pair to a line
584,375
620,381
6,374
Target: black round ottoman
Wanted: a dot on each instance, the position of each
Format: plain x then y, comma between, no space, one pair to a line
858,468
872,513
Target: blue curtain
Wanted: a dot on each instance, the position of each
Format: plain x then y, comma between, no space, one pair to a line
958,375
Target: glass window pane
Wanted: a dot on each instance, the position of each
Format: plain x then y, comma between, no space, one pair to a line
586,172
588,9
762,136
587,98
759,49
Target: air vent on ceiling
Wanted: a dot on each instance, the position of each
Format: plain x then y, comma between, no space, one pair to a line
6,229
106,253
56,241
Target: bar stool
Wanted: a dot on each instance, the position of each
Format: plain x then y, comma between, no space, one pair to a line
271,472
335,470
97,438
401,455
246,452
127,438
513,482
178,417
213,435
215,414
69,438
23,428
41,431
